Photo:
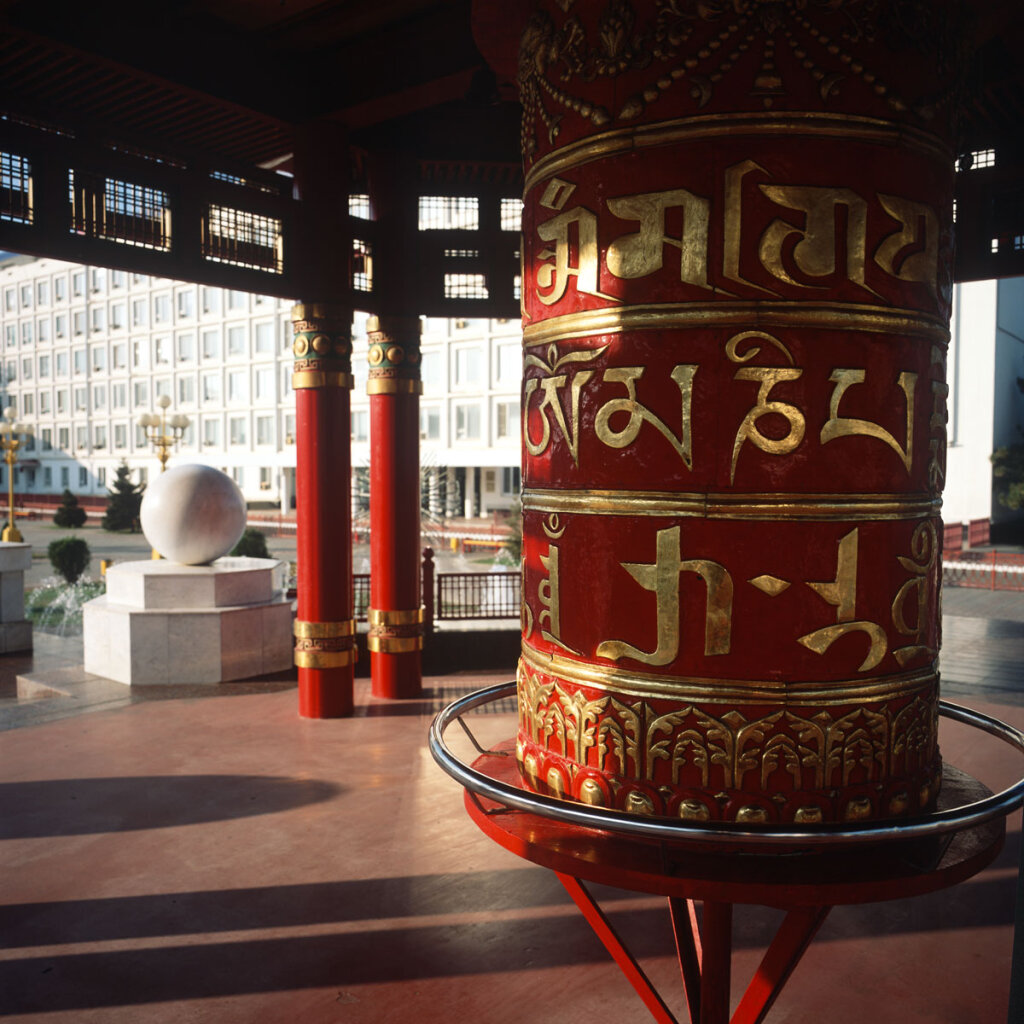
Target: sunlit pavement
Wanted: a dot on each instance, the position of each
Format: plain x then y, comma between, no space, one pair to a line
207,856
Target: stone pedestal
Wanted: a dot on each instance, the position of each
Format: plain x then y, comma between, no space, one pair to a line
15,629
164,623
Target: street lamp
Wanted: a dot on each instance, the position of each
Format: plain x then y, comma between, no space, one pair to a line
10,442
162,432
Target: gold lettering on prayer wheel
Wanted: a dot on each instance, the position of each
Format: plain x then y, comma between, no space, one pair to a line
736,286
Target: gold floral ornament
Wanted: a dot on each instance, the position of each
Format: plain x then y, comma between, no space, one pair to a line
700,43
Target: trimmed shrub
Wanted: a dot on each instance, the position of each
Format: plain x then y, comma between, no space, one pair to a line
70,514
252,544
69,557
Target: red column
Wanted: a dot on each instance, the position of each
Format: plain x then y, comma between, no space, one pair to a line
396,619
736,288
324,628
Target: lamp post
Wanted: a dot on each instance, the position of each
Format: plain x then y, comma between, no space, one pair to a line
161,432
10,442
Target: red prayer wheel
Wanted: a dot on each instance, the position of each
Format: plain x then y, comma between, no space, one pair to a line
736,287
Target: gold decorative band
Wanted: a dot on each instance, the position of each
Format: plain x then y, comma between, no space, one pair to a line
326,659
320,379
733,691
394,386
394,644
320,630
840,316
848,127
399,617
733,506
321,311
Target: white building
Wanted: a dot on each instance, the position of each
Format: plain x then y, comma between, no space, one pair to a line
87,350
986,403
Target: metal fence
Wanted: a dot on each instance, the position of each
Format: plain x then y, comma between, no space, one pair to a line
477,595
986,570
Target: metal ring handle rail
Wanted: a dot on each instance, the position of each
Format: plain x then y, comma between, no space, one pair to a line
830,834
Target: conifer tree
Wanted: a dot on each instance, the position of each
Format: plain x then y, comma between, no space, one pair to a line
123,502
70,513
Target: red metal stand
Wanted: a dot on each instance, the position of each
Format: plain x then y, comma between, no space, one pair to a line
806,887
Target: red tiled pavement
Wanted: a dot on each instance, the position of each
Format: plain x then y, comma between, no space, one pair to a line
220,860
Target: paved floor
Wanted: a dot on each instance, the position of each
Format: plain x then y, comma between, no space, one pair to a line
214,859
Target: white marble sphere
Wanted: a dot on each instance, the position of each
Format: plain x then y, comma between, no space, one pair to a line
193,514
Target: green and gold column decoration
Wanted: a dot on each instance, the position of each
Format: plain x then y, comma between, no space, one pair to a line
393,355
322,346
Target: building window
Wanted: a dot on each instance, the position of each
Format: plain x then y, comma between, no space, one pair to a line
64,438
26,333
120,436
238,300
99,359
99,396
46,437
140,312
60,289
64,474
211,300
211,344
265,337
26,296
26,369
264,383
467,421
47,478
118,319
186,347
44,366
430,424
43,293
81,399
140,393
265,478
510,480
511,214
360,425
26,405
236,341
211,387
119,396
61,325
162,387
119,354
100,437
264,429
81,438
237,389
117,279
237,432
469,364
11,335
78,321
78,284
506,418
211,433
465,286
101,476
186,304
186,390
79,360
83,476
98,319
161,309
447,213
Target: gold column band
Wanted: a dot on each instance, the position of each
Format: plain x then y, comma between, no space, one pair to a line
326,659
319,630
394,644
381,617
320,311
394,386
321,379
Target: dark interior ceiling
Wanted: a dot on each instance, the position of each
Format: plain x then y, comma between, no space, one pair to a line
231,77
